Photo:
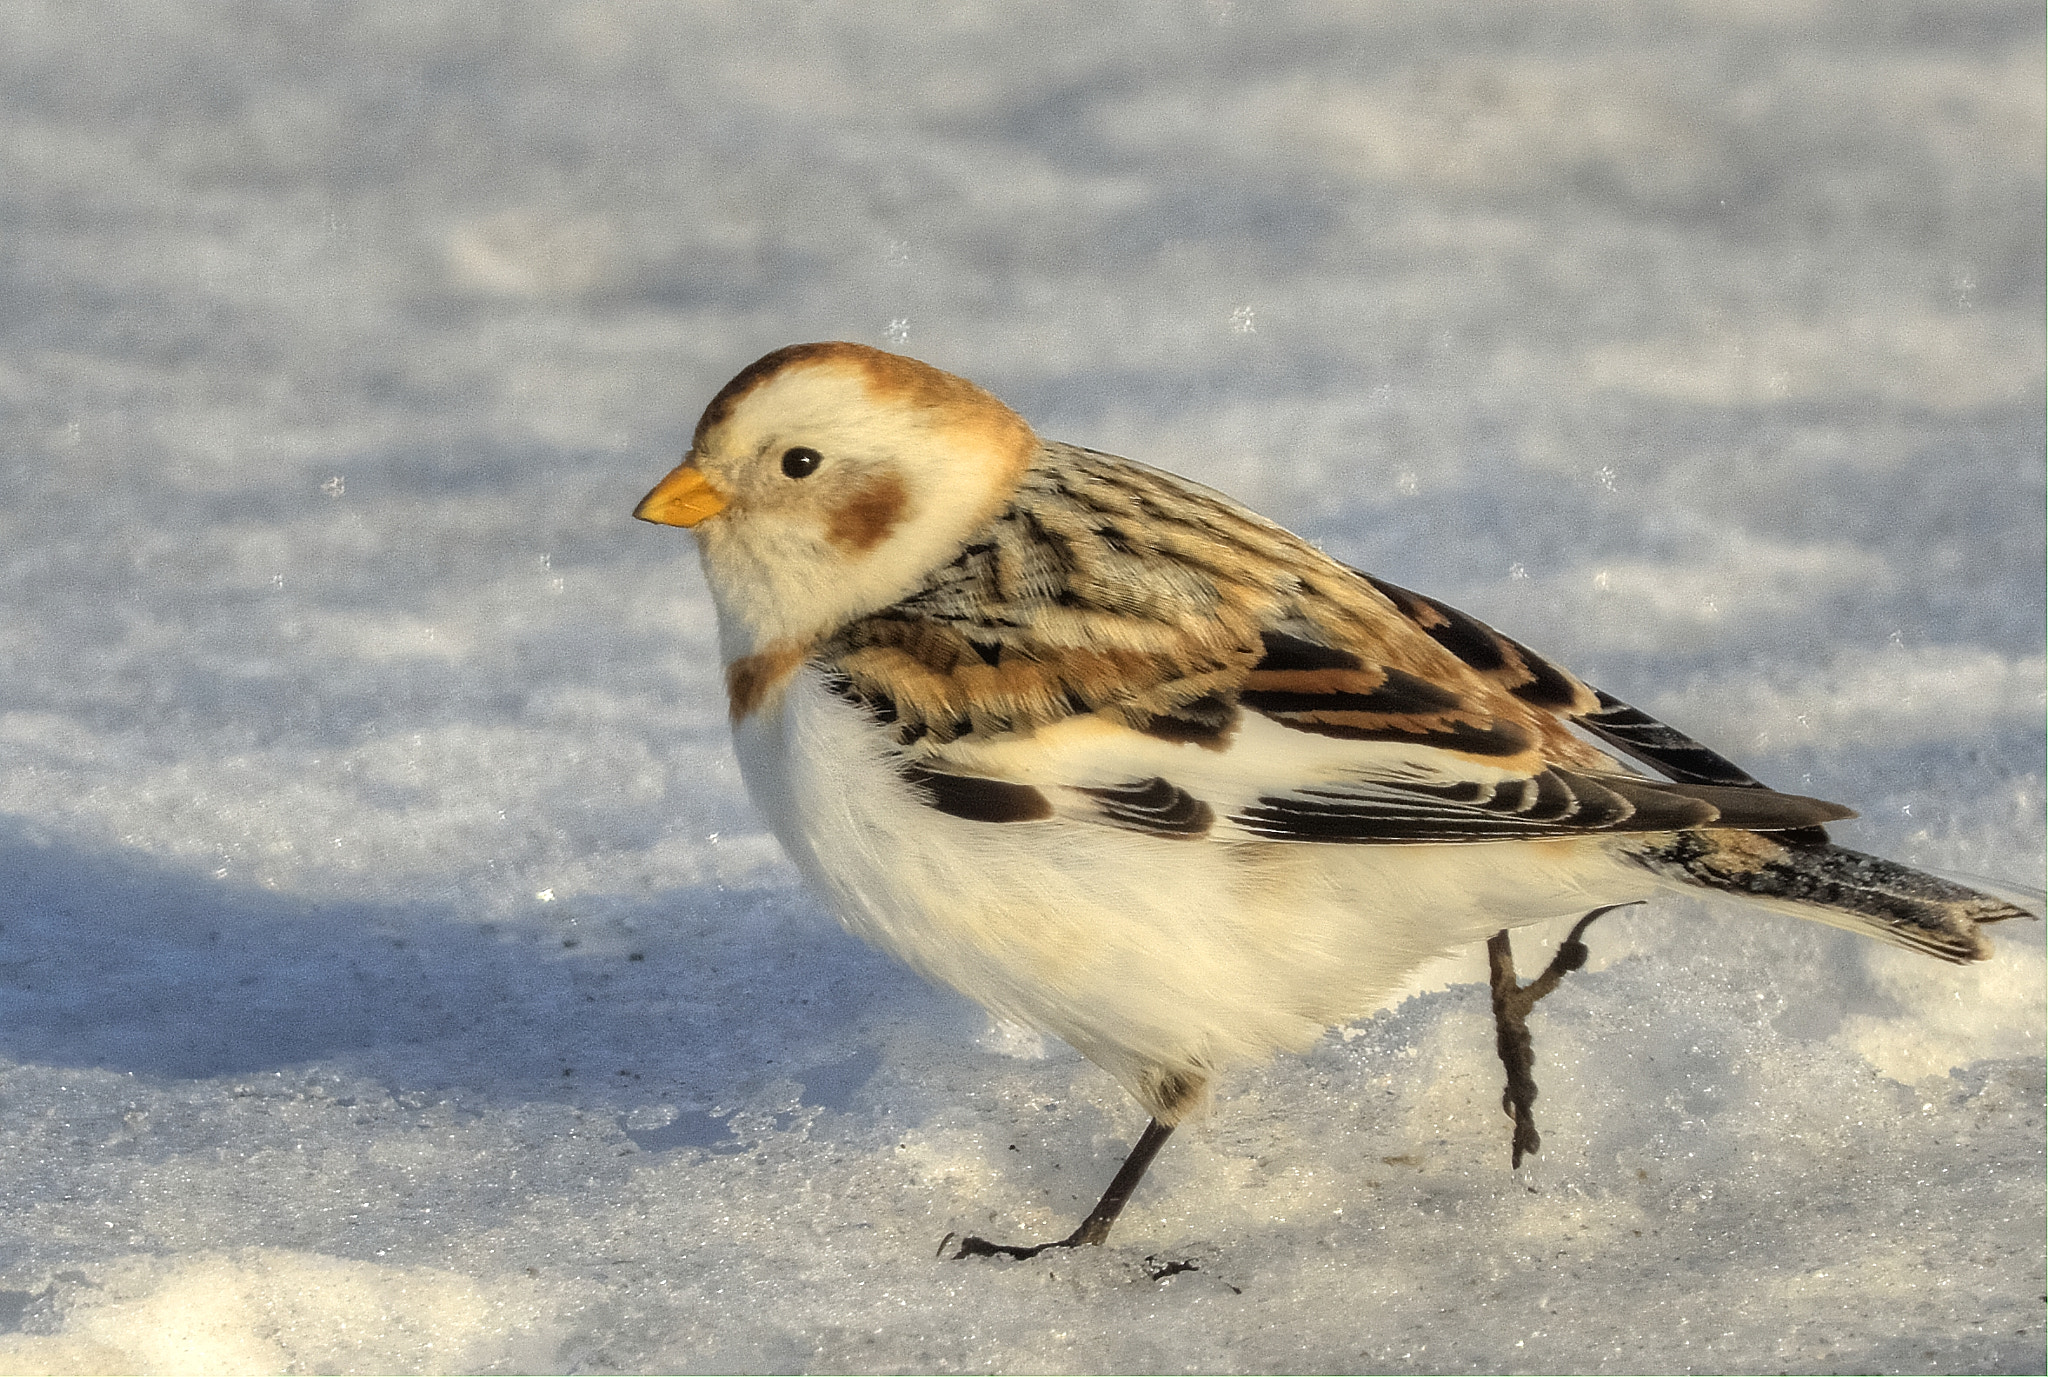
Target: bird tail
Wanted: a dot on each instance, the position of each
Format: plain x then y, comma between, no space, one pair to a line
1834,885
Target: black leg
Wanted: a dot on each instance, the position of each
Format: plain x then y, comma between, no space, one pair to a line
1511,1005
1095,1228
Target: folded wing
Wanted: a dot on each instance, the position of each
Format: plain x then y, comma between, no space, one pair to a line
1126,648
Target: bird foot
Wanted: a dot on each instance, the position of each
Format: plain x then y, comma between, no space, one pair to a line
1512,1002
1095,1228
972,1246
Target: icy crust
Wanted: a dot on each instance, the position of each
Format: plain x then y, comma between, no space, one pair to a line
1742,1206
1726,1184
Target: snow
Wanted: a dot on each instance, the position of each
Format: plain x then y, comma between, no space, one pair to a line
393,975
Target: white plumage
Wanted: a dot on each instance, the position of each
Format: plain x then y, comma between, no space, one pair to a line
1148,954
1127,763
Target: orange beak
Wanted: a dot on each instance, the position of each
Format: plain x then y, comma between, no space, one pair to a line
684,498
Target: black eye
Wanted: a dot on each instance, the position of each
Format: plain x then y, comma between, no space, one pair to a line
801,462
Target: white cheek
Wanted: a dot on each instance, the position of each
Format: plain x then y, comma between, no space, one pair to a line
772,576
779,578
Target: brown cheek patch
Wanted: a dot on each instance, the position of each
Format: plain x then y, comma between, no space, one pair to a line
750,679
868,517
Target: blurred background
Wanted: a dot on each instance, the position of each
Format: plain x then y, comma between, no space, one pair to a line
393,973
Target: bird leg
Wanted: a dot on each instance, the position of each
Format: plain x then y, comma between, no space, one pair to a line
1511,1005
1095,1228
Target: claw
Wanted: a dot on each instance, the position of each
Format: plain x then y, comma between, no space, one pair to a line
1095,1228
1511,1005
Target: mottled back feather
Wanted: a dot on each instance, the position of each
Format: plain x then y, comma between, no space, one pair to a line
1109,588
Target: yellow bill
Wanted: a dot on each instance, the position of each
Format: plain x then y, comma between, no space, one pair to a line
684,498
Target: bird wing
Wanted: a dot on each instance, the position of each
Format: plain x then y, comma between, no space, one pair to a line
1124,647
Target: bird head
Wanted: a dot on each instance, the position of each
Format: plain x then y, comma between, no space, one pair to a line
825,480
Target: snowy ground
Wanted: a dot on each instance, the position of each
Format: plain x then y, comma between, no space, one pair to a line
392,973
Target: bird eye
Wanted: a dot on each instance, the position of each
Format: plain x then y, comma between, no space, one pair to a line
801,462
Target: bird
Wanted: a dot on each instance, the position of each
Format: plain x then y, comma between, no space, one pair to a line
1127,763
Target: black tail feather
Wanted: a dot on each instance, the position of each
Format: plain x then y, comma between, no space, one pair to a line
1833,884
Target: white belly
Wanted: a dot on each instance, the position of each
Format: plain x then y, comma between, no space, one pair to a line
1142,952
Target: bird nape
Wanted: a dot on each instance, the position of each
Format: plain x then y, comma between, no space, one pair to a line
1127,763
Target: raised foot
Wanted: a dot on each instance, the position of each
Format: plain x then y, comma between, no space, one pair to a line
1512,1002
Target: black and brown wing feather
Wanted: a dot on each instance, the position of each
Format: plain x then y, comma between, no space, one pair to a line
1533,679
1555,803
1110,589
1106,587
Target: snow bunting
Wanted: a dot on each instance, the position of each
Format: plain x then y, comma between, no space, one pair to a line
1127,763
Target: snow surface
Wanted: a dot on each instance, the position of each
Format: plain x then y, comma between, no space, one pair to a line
395,976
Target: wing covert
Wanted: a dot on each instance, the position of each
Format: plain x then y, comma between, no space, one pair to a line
1123,647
